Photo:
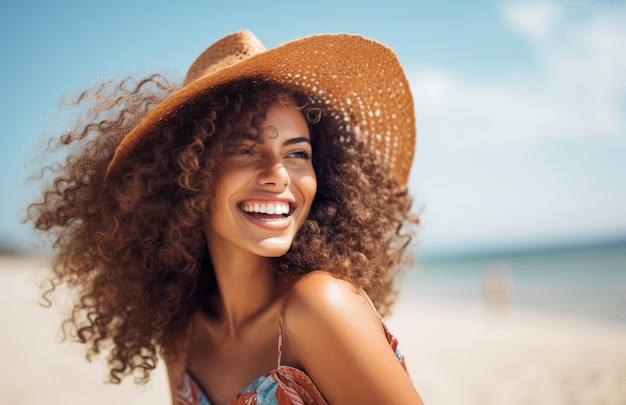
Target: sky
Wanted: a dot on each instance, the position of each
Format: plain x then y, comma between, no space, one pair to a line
520,105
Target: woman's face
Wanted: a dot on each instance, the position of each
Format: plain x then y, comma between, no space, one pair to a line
265,189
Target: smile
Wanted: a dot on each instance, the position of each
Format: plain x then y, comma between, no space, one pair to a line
269,208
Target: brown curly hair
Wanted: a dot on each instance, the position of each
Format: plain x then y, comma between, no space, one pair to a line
133,246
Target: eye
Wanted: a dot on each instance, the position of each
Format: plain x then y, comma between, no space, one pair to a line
300,155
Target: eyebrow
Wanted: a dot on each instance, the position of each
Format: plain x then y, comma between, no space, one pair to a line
292,141
296,140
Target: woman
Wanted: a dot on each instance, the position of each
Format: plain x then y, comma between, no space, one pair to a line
246,226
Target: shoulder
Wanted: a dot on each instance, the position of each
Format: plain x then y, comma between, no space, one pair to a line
322,308
321,296
321,286
335,335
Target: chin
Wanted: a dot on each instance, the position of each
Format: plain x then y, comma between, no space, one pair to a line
273,248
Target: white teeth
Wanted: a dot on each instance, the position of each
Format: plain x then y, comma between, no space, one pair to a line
269,208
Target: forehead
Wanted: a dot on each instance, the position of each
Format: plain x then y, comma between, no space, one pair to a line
281,120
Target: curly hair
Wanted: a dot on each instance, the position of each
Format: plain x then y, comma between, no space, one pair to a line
133,247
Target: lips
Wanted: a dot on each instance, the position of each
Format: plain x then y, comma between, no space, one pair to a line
266,208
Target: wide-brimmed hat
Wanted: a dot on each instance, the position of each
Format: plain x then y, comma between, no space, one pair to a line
358,80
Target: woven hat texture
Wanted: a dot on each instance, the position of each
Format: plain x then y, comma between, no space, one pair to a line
358,80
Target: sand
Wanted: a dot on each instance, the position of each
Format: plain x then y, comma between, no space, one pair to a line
456,354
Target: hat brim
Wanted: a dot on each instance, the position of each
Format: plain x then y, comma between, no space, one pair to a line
358,79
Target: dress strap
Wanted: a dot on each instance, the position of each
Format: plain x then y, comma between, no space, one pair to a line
280,339
369,300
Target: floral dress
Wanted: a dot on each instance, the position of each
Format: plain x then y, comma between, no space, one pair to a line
284,385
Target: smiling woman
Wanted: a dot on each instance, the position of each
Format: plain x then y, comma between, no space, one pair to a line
246,226
262,180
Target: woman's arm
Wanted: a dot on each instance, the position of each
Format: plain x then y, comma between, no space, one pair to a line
333,332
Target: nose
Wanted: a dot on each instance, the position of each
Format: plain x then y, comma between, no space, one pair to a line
274,176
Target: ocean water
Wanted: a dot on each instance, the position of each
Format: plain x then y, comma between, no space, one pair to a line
585,281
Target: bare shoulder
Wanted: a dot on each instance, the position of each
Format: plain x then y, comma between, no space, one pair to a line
323,309
335,335
320,286
321,297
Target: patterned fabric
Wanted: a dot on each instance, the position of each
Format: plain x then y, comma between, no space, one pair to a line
284,385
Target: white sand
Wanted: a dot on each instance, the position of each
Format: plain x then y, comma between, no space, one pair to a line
456,355
466,355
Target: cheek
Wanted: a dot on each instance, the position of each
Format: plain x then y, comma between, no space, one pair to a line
307,182
222,191
309,189
228,181
313,187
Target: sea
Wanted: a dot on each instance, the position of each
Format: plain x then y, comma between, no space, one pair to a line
582,280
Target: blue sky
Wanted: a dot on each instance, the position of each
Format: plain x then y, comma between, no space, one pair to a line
521,105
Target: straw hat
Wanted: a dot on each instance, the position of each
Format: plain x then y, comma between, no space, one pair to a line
359,81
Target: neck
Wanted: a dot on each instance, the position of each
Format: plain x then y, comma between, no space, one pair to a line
246,287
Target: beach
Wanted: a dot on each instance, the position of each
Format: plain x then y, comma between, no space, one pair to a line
456,353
